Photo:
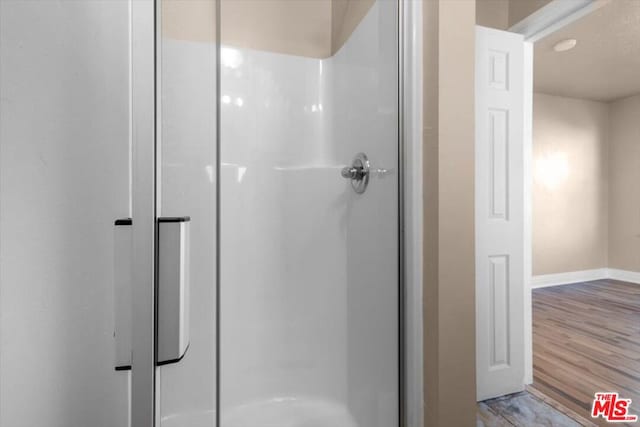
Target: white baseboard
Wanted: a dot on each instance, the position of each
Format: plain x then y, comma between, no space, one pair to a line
544,280
624,275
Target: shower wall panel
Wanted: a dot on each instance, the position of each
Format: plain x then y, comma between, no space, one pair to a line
187,389
283,260
364,118
309,268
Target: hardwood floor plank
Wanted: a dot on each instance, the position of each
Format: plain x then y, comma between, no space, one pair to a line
586,339
524,409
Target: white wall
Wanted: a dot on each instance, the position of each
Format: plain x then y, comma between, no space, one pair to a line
586,213
570,184
64,179
309,273
624,198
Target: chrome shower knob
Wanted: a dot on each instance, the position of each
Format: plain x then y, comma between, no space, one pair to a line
351,172
358,173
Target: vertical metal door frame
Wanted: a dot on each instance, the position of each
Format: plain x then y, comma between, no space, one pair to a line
218,305
143,113
411,211
401,186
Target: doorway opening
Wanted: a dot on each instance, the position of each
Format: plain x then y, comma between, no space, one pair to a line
579,216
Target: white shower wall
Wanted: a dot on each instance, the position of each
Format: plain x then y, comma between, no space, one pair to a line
309,269
364,79
187,146
278,217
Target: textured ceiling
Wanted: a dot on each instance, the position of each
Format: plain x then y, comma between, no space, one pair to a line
605,65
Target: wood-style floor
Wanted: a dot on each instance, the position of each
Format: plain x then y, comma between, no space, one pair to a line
526,409
586,338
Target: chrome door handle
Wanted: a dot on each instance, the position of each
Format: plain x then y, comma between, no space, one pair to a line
358,173
172,289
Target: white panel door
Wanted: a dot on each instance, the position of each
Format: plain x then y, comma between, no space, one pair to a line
499,213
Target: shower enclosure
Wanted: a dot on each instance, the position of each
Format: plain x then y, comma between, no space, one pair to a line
201,213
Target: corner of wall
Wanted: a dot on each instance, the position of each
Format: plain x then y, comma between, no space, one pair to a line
449,265
493,14
430,224
345,17
624,168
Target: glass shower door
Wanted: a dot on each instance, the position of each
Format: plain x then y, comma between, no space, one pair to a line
65,152
309,284
306,183
186,61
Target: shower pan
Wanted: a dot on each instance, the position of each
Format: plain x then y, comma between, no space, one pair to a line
201,213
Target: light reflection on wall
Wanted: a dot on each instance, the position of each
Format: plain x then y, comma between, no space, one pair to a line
552,170
231,58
